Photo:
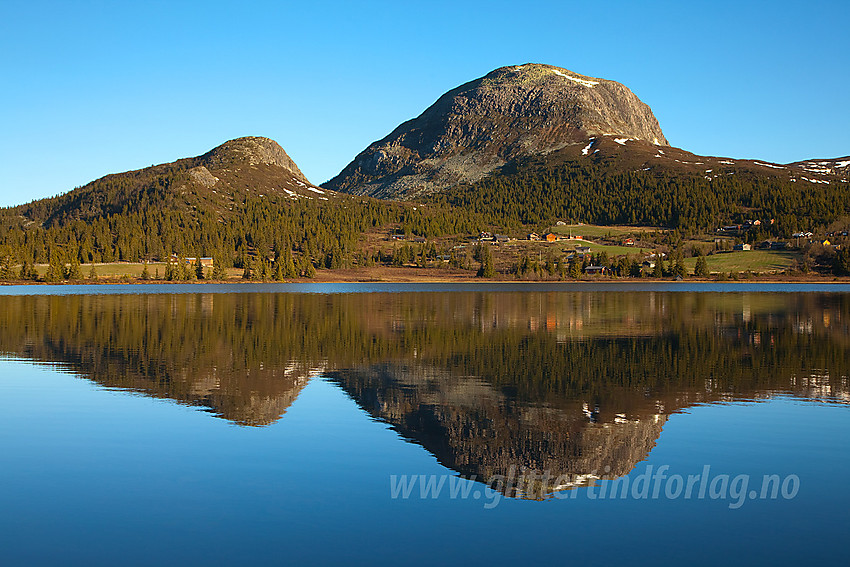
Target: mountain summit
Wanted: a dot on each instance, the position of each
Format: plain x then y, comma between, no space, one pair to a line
511,112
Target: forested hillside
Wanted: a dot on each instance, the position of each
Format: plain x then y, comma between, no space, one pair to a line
539,191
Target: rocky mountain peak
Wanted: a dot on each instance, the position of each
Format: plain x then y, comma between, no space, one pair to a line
477,127
250,150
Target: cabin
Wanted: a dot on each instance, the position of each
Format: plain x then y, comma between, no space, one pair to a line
629,242
551,237
533,236
583,249
744,247
502,238
205,262
591,270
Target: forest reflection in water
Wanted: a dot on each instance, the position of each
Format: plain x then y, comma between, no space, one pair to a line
566,382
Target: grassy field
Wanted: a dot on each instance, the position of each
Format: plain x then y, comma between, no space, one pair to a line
593,231
130,270
611,250
760,261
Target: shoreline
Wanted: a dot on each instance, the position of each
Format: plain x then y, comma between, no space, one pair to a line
823,280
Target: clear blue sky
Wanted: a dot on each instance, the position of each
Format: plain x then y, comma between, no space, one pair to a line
90,88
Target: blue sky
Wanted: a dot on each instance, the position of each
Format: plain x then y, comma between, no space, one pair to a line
90,88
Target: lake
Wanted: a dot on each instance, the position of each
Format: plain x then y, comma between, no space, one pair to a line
386,424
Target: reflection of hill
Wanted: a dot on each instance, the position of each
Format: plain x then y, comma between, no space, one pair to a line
570,382
183,347
480,432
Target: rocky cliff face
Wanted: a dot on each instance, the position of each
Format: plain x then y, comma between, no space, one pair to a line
511,112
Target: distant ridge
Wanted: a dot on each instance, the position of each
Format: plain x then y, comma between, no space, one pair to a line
250,165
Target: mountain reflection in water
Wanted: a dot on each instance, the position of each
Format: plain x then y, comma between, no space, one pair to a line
565,382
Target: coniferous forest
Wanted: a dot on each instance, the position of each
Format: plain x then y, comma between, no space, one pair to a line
148,215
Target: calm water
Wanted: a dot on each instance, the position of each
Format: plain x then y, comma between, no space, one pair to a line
372,424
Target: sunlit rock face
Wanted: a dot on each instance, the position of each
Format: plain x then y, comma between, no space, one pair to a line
513,111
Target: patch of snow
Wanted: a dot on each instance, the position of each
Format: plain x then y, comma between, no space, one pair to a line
586,149
708,171
768,165
291,193
660,151
584,82
314,190
594,151
727,162
621,141
814,180
842,163
655,141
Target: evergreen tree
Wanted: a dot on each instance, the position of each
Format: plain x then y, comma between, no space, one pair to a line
218,272
92,272
6,271
74,271
575,268
701,267
146,274
679,269
55,269
199,268
485,256
288,264
841,263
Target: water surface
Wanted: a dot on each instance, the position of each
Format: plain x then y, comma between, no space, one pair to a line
234,424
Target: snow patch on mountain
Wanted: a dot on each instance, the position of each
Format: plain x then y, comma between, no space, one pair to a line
584,82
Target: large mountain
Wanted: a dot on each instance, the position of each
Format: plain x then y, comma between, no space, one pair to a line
472,130
543,113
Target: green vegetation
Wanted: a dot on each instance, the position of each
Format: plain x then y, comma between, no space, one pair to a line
139,219
757,261
539,191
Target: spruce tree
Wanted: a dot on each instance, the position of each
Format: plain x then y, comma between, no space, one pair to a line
701,267
289,270
74,271
218,273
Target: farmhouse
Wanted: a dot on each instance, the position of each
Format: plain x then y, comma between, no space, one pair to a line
205,261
